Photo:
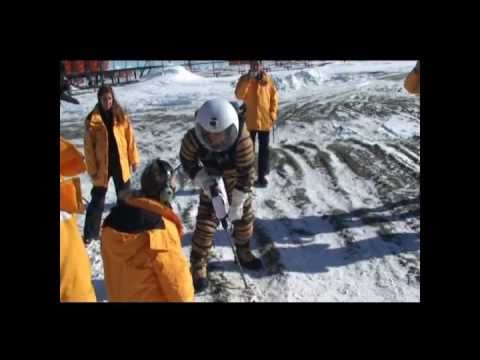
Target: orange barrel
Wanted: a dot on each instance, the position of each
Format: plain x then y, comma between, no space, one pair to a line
93,66
79,66
68,67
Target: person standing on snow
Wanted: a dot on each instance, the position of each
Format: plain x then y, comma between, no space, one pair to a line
259,93
219,148
65,87
75,273
412,81
141,243
110,151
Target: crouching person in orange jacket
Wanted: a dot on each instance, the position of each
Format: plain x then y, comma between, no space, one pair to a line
412,81
75,273
141,243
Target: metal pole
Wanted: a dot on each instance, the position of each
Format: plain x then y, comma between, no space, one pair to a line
214,193
227,232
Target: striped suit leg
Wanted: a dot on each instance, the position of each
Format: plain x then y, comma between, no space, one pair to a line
242,229
205,228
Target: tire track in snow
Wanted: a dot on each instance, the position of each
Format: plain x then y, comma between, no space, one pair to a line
394,163
393,179
352,249
265,236
402,149
318,160
371,163
323,159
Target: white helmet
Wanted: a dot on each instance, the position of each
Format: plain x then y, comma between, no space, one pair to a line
216,125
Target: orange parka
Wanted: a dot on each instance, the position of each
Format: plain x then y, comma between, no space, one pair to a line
75,274
412,81
145,264
96,147
261,100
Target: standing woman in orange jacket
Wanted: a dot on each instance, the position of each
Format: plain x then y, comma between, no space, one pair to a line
259,94
110,151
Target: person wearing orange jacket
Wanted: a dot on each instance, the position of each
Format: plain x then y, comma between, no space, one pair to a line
412,81
258,92
110,151
75,274
141,243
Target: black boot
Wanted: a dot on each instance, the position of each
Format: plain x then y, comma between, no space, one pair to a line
200,284
248,260
86,241
261,183
199,274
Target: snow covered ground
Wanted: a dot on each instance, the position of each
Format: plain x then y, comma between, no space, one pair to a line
340,220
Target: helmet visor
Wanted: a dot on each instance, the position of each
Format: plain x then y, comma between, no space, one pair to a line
219,141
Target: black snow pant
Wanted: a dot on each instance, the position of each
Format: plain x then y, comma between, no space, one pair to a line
93,217
263,152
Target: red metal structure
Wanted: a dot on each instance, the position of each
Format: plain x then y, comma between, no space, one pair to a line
239,62
95,71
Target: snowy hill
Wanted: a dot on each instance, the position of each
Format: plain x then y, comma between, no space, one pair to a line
340,219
